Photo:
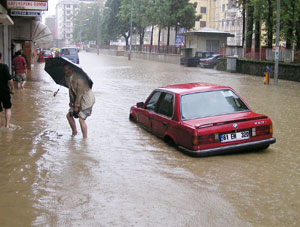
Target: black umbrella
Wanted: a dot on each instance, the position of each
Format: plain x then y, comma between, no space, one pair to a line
55,68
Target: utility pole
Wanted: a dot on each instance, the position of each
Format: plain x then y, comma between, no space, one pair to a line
277,44
130,42
97,35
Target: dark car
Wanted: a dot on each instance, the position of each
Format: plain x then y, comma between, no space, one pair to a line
209,62
203,119
194,61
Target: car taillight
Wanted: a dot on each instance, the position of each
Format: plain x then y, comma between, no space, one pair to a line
206,139
262,130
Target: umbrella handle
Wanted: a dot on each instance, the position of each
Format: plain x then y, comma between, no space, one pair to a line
55,93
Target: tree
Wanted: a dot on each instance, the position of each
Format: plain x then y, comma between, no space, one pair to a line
289,20
269,22
250,20
176,13
112,25
140,18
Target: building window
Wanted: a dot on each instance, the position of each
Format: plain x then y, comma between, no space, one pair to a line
203,10
223,7
202,24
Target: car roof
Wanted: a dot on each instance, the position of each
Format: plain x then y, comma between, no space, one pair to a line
69,48
192,88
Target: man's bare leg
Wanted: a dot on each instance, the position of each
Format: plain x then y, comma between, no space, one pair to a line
23,84
72,124
83,127
7,117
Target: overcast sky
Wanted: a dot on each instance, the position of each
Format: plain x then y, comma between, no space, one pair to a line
51,7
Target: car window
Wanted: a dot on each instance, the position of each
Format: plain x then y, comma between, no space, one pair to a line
151,104
69,51
165,105
210,103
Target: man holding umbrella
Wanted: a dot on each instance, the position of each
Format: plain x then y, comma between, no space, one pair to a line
82,99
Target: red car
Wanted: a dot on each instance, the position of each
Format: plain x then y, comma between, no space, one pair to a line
203,119
45,54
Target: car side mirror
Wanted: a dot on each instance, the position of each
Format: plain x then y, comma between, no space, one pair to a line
140,104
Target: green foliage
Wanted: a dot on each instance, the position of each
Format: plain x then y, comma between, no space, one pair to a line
145,13
290,11
86,22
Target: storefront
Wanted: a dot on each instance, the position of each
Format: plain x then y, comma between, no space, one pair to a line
26,31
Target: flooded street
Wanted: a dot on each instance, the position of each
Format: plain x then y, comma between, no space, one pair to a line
121,175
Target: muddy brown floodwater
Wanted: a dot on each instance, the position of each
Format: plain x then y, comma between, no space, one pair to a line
123,176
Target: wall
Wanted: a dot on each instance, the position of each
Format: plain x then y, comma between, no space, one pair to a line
285,71
167,58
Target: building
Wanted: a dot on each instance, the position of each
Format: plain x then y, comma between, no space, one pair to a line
21,28
222,15
50,23
5,23
65,13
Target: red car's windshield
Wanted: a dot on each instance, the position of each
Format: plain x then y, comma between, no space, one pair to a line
212,103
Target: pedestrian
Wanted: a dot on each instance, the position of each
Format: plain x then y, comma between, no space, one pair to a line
82,99
20,66
24,56
6,88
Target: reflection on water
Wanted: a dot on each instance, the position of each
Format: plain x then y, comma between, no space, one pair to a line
123,176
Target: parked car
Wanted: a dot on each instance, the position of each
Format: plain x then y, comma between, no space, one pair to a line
209,62
194,61
45,54
203,119
70,53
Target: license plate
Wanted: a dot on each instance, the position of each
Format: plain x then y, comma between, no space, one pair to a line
235,136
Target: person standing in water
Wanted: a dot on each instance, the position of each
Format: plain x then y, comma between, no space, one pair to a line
82,99
6,88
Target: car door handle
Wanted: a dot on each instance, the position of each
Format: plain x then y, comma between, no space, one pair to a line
164,123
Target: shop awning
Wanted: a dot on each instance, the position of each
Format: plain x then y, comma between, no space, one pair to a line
41,35
5,20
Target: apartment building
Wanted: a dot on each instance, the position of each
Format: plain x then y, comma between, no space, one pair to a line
222,15
65,13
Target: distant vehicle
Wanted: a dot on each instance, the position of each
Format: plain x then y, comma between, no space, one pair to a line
209,62
194,61
203,119
45,54
70,53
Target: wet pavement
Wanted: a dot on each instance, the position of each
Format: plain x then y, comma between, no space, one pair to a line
123,176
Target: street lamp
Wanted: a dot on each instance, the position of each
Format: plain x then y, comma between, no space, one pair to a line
277,44
97,35
130,42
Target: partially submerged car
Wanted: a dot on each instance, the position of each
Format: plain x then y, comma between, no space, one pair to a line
194,61
209,62
203,119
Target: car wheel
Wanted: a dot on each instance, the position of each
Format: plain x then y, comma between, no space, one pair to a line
169,141
131,118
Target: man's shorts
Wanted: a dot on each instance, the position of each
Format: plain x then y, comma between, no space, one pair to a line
5,101
82,113
20,77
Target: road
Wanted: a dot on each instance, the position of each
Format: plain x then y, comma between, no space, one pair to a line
123,176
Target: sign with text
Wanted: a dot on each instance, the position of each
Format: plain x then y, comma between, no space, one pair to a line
41,5
25,13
